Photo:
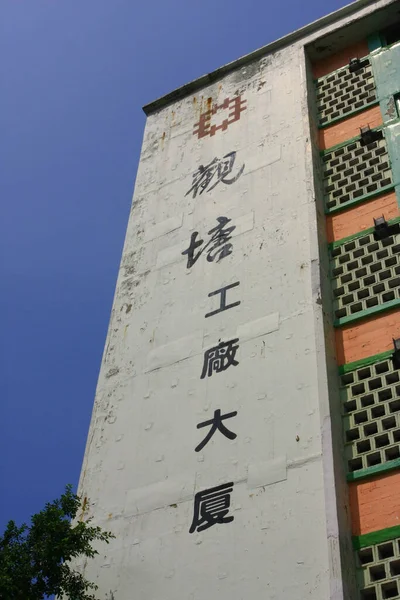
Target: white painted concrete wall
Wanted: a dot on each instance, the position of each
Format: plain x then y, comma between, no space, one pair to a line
140,471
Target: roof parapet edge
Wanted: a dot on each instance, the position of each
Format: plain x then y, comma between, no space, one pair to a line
204,80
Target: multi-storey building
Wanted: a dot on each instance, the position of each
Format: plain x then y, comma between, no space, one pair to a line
245,439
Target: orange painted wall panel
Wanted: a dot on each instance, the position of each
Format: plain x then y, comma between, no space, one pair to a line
375,504
361,217
349,128
340,59
367,338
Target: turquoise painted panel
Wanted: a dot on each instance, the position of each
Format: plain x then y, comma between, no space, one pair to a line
374,42
392,135
386,66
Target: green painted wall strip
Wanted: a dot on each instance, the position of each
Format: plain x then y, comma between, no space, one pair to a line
354,236
369,312
349,141
376,537
364,362
349,114
360,200
336,70
359,234
372,471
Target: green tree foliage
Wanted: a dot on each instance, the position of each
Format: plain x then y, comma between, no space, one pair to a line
34,560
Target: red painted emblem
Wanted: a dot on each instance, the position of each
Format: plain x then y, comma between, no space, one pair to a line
232,107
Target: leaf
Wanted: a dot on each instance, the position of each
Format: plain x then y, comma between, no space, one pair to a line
35,559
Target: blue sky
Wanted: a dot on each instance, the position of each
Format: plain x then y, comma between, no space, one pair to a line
74,78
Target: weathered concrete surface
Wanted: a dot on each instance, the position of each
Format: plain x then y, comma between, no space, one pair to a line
141,471
387,76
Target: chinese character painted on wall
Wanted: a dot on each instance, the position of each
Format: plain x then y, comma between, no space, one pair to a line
216,424
231,108
219,358
222,300
211,507
217,247
206,178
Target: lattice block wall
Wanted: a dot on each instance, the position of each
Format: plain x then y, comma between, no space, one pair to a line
353,171
379,570
365,273
371,415
342,92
